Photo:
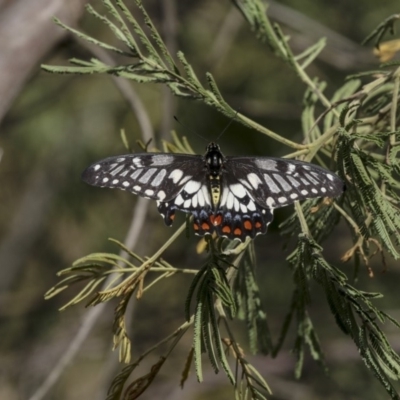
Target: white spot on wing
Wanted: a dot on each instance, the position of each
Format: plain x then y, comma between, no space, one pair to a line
105,180
254,180
282,199
137,188
270,202
179,200
161,195
294,196
305,181
304,192
271,184
282,182
314,190
291,168
311,179
176,175
200,198
206,195
149,192
147,175
159,178
323,190
265,163
224,197
115,181
125,183
330,177
116,170
251,206
192,187
136,174
121,159
161,159
97,167
229,202
245,183
236,204
137,161
194,201
316,174
238,190
293,181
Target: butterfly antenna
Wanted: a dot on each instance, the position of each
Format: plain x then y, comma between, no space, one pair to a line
227,126
189,129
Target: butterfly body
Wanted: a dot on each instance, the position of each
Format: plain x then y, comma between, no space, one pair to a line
232,196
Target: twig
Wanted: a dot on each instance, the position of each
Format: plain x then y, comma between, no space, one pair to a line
91,317
224,37
131,239
126,89
300,215
168,103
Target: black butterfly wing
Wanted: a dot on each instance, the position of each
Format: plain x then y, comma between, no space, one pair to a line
253,186
194,198
176,181
277,182
157,176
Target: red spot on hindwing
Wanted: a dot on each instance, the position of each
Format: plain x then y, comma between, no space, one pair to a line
248,225
216,220
205,226
226,229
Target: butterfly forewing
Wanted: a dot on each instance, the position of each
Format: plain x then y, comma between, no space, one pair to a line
156,176
276,182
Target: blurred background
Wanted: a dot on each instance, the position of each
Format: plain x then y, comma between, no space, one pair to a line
54,126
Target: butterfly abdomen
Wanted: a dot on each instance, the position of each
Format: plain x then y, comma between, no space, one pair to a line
215,189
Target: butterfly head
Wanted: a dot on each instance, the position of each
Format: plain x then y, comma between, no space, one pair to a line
214,159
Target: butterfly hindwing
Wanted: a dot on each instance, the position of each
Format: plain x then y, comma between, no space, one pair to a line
194,198
238,215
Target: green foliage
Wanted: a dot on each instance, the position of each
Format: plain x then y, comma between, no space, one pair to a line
248,299
352,308
356,135
386,26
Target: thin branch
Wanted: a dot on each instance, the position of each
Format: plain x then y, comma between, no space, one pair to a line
37,35
225,37
341,52
126,89
91,317
169,103
140,212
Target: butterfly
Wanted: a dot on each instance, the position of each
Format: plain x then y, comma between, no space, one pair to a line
232,196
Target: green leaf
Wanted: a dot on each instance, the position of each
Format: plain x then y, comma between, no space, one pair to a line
311,53
90,39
